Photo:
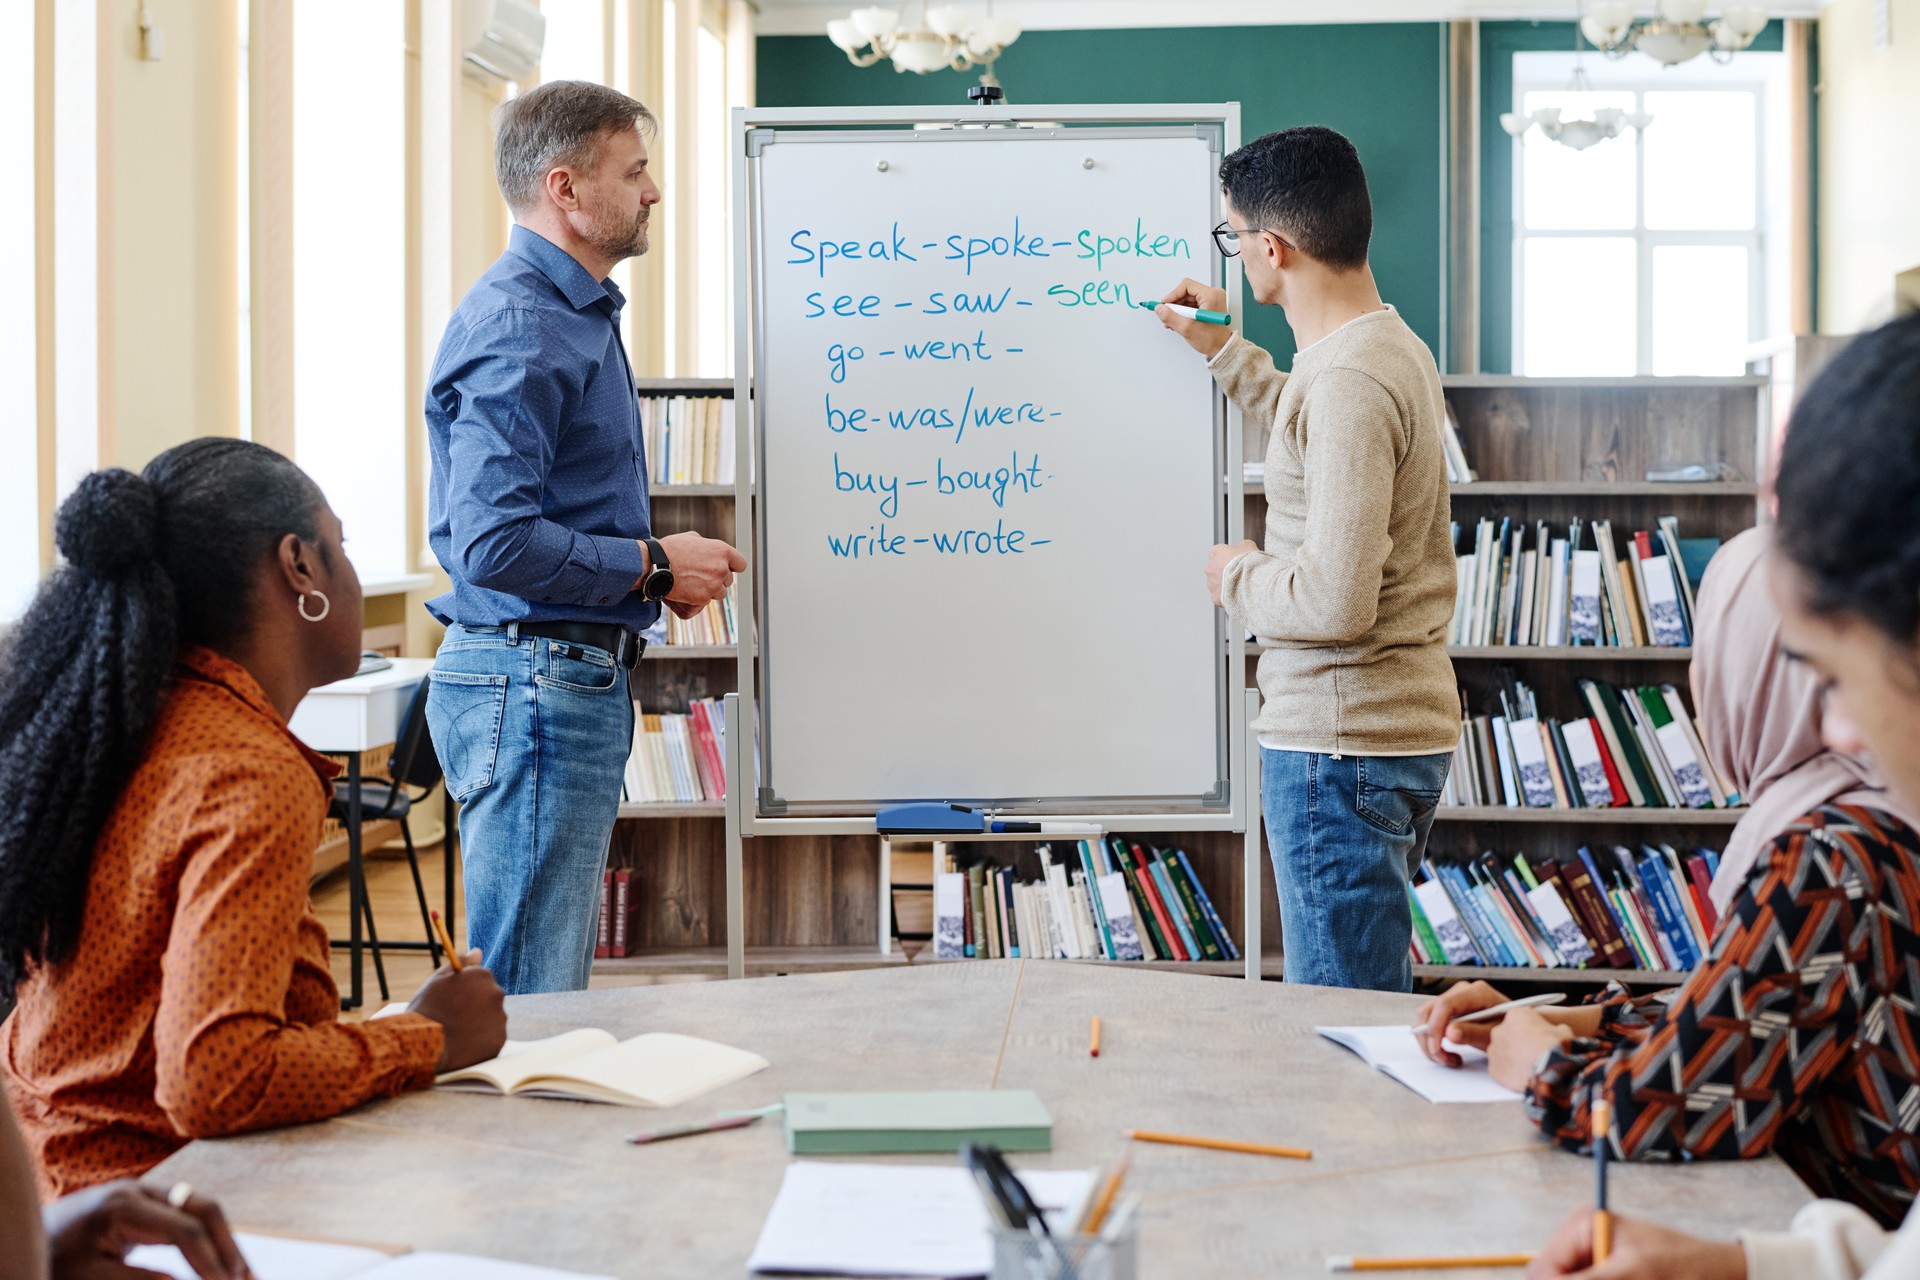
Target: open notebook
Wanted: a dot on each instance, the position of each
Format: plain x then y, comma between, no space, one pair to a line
658,1069
1395,1050
277,1258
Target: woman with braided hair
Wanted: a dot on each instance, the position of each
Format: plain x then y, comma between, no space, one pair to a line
158,822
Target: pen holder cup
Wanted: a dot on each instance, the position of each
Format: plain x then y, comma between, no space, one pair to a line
1020,1256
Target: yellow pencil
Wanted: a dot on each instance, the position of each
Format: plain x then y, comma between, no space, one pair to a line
1601,1114
1103,1203
446,943
1218,1144
1093,1050
1340,1263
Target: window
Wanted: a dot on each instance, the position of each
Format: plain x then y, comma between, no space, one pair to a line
713,208
1649,253
19,350
350,407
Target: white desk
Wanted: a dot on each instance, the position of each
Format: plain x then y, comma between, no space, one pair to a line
346,718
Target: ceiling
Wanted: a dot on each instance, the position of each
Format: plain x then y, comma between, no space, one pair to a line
809,17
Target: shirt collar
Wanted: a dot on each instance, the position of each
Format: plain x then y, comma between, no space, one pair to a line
193,662
579,288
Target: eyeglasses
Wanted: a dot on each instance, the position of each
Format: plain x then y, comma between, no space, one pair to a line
1227,238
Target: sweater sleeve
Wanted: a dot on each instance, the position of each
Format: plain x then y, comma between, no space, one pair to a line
228,1058
1328,592
1247,376
1669,1078
1830,1240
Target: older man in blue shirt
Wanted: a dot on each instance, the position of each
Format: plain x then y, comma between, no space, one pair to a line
538,512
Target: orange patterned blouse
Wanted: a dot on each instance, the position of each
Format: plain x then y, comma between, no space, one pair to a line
198,1000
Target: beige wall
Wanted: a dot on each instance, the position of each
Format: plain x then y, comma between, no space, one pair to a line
168,181
1869,162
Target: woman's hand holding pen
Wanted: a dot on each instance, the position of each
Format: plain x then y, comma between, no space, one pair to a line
1437,1016
1641,1251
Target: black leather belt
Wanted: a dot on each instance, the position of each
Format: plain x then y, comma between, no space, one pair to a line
624,643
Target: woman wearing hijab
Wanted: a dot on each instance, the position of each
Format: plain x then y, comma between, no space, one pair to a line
1771,1044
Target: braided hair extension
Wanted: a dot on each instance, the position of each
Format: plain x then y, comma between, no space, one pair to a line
152,561
1849,483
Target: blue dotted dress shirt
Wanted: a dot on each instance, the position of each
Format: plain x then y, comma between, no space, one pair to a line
539,482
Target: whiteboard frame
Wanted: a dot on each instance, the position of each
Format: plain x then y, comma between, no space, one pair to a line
1240,809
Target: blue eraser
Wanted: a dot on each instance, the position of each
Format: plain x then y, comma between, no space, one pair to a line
927,819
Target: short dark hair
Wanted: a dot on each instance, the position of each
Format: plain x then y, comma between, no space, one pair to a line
1849,483
560,122
1304,184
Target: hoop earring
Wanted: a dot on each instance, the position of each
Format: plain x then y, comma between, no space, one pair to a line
326,607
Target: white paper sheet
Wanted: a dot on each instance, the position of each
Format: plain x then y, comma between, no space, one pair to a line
896,1220
273,1258
1396,1051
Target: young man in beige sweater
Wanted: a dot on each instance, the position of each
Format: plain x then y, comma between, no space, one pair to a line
1352,592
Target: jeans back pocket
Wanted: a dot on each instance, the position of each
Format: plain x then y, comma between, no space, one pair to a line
1394,792
464,711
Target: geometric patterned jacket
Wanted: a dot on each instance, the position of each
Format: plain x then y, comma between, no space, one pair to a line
1799,1034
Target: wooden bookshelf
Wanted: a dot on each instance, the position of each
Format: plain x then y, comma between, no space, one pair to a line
1626,817
1498,974
1568,653
688,652
690,491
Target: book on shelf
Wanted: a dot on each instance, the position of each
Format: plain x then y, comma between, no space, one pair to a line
690,439
678,759
1458,472
619,905
1108,898
1637,747
1580,585
1606,908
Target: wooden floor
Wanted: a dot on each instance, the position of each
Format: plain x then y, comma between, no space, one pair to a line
396,913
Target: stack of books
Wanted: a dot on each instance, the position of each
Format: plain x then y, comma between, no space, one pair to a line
1541,586
1102,899
689,439
1638,747
678,759
1606,909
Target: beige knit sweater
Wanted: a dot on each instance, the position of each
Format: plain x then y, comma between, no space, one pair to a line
1353,590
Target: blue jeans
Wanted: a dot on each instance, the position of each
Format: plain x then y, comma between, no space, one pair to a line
1346,833
533,736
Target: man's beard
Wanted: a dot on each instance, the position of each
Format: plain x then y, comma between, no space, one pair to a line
619,244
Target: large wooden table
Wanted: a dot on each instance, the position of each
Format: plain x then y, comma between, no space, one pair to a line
554,1182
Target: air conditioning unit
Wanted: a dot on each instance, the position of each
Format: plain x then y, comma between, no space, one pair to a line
503,38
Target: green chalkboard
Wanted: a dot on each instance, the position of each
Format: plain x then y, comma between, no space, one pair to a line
1383,85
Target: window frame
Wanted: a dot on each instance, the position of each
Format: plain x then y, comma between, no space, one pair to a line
1534,71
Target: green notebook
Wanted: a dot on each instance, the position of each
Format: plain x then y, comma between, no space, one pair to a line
888,1123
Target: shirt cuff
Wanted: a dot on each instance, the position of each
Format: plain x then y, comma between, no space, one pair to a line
1231,339
1229,568
406,1049
621,564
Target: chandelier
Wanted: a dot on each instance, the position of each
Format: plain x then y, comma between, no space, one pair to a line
949,36
1679,33
1607,122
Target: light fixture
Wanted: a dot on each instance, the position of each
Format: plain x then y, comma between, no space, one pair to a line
1680,32
1607,122
948,36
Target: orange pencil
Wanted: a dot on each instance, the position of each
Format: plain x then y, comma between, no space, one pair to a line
1428,1264
1601,1114
446,942
1103,1203
1093,1050
1218,1144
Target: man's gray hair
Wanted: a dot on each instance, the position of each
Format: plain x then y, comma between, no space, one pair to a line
558,123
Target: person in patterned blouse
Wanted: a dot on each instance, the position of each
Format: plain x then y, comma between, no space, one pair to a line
1847,583
158,822
1788,1037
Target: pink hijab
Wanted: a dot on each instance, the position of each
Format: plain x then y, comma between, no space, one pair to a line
1760,716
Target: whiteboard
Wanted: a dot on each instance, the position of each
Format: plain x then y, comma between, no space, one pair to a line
988,479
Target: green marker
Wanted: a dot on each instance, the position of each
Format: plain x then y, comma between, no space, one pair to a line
1191,313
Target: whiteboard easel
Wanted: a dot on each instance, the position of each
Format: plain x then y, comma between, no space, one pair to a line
1223,800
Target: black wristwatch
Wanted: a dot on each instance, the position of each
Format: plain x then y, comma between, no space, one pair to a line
659,579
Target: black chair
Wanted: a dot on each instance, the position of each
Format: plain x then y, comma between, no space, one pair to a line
414,764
